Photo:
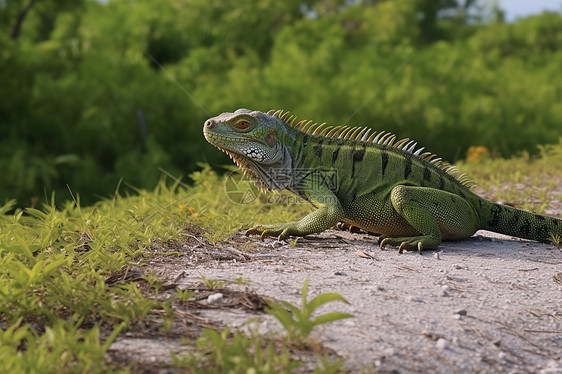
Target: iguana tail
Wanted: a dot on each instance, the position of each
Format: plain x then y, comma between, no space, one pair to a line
520,223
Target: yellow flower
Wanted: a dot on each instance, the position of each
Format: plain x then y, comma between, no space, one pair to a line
476,153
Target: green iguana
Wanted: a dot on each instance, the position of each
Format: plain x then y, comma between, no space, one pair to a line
368,180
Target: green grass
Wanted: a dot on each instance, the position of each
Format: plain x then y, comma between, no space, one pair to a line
54,263
61,308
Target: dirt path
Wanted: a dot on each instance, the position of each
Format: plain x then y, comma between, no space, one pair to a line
487,304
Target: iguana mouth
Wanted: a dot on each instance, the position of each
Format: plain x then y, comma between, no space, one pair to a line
250,169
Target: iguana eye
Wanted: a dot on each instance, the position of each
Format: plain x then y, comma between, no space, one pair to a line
242,124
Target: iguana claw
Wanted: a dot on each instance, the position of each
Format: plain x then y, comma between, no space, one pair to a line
383,241
404,245
264,235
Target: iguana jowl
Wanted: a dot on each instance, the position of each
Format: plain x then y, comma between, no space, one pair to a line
388,187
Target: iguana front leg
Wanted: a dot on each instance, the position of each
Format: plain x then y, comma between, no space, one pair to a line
328,214
434,214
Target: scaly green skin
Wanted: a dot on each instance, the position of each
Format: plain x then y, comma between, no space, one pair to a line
373,182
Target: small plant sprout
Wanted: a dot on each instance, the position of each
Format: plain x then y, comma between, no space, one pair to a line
212,284
241,280
153,280
184,295
168,317
300,323
555,239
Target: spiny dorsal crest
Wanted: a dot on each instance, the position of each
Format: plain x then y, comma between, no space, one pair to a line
363,134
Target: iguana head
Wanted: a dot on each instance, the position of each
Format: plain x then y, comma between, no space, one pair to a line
254,140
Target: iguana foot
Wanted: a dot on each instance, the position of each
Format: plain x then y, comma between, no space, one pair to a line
413,243
282,231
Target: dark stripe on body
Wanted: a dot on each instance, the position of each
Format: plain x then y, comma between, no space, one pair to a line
441,182
358,155
426,174
384,161
542,232
525,227
407,165
495,216
335,156
299,151
317,149
515,218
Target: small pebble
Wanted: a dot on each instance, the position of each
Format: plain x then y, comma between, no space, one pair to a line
341,273
436,255
461,312
441,344
216,298
457,266
390,351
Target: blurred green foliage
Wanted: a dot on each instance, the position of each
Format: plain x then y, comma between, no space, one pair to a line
93,92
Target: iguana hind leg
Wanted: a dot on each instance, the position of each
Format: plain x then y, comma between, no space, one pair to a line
434,213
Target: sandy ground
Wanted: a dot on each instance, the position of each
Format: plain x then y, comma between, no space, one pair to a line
487,304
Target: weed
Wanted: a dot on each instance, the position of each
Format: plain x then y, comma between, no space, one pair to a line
555,239
241,280
221,352
153,280
212,284
299,325
168,316
184,295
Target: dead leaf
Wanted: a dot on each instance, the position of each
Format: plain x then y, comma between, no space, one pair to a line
363,254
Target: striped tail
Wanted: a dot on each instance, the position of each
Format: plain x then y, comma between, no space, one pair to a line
520,223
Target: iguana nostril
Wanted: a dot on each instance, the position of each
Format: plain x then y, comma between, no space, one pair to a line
209,123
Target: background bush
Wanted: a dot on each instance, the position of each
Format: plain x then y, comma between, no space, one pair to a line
92,92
